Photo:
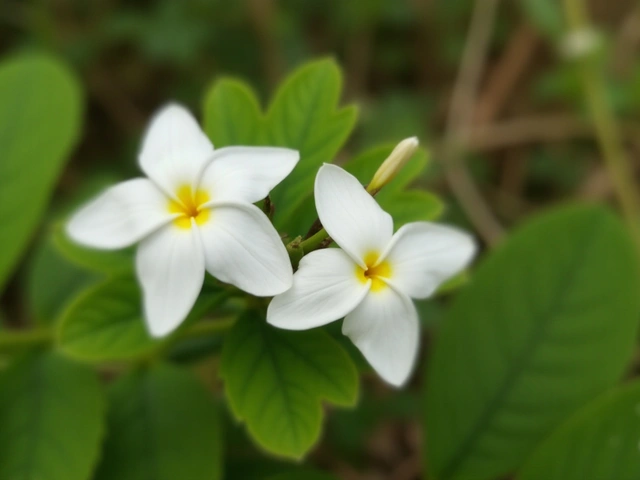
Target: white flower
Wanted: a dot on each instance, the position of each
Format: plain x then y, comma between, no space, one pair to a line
194,212
371,280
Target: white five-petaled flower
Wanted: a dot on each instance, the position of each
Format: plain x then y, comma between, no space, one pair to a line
194,212
370,281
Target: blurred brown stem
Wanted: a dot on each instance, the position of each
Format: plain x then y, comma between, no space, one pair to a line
541,128
504,77
262,15
358,61
461,111
117,105
626,43
604,121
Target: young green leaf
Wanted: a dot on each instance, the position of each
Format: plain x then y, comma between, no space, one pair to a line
405,205
232,114
558,299
304,115
106,323
602,441
164,425
40,108
275,381
52,417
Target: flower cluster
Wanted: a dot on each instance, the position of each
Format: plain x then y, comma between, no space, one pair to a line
195,212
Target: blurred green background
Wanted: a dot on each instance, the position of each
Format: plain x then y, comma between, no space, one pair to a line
529,143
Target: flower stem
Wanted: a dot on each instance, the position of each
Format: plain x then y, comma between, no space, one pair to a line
298,248
295,251
314,242
12,340
607,132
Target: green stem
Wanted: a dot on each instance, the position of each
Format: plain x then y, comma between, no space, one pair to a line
298,248
11,340
208,327
315,241
16,340
295,251
607,132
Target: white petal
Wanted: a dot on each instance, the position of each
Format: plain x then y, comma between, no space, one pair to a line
385,328
423,255
350,215
242,248
170,267
325,288
175,151
121,215
247,174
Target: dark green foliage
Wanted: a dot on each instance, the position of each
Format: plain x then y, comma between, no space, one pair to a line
532,338
275,381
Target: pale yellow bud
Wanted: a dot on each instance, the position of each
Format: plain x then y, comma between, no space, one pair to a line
393,164
579,44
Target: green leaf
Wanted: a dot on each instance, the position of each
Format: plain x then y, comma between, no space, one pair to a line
104,261
548,322
51,412
232,114
53,281
454,283
403,204
106,323
275,381
600,442
304,115
192,350
40,108
431,313
163,425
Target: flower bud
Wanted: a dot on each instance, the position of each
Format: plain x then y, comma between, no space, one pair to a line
581,43
393,164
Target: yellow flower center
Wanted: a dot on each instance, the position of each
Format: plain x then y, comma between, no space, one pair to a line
377,273
190,206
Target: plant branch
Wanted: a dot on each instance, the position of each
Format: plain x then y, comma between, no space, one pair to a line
461,112
542,128
605,125
298,247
